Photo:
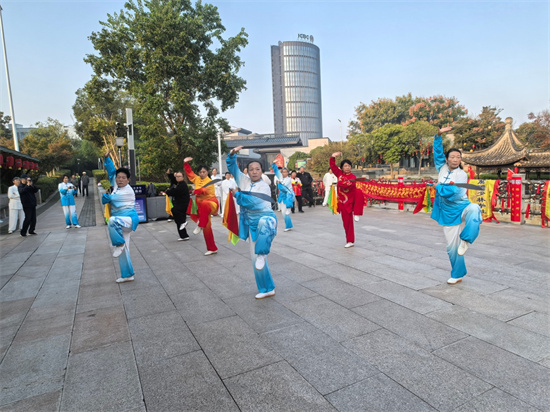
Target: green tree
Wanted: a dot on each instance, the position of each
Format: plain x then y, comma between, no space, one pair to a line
86,154
6,136
480,131
381,112
49,143
171,57
536,134
295,157
440,111
320,156
387,143
417,139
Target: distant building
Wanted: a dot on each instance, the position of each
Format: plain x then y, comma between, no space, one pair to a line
296,75
21,131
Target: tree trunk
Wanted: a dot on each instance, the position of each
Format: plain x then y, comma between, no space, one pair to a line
419,164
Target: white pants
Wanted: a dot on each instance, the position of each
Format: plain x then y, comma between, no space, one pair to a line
16,215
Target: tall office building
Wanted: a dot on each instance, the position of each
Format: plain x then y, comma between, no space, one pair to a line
296,72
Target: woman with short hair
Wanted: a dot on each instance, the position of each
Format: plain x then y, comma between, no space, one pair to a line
67,191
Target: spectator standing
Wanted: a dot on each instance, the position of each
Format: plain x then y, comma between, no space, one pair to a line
297,186
85,181
66,192
329,179
180,199
15,206
75,182
28,199
307,190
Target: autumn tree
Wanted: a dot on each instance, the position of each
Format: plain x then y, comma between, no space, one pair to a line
440,111
172,58
6,135
417,140
320,156
536,134
481,131
50,143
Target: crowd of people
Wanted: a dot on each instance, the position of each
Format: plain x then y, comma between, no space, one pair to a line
251,192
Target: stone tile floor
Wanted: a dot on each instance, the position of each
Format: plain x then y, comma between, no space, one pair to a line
374,327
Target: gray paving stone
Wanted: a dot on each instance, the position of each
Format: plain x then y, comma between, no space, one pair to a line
176,282
148,301
409,324
412,299
517,340
43,403
193,385
39,272
201,306
348,274
20,287
58,293
275,388
320,359
117,387
496,400
227,285
498,307
46,322
262,315
536,301
439,383
14,311
232,346
295,271
519,377
377,393
290,291
340,292
535,322
34,368
160,336
340,323
98,328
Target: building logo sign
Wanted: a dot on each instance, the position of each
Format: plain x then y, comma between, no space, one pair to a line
305,37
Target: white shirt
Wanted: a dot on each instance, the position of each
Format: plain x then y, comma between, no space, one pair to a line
227,185
15,198
329,179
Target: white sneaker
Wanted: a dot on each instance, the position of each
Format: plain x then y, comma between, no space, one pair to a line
356,218
118,250
197,230
10,232
349,244
210,252
183,239
463,247
260,262
122,280
170,220
265,295
77,226
68,227
182,226
454,281
288,229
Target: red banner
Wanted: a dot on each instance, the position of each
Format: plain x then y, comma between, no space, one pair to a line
410,193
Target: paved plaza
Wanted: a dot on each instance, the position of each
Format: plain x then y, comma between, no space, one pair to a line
370,328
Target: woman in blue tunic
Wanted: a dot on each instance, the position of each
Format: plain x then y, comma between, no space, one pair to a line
124,218
452,207
257,219
286,194
67,191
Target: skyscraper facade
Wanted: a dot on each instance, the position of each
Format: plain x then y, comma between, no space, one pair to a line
296,73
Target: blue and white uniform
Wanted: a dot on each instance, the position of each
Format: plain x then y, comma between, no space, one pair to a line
286,195
452,207
67,192
124,218
257,221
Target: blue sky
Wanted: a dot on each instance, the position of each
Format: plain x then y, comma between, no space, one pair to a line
481,52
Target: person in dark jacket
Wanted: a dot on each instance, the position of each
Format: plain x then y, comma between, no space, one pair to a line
307,190
28,200
84,181
180,199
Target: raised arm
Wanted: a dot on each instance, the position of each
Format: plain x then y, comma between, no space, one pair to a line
439,155
188,171
335,169
110,167
233,167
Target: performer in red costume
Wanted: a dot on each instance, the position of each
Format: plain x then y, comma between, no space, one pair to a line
350,199
207,204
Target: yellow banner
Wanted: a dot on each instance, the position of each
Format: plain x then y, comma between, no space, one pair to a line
483,197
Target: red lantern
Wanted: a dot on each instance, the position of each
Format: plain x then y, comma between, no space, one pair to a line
25,164
9,162
18,164
473,146
36,166
1,160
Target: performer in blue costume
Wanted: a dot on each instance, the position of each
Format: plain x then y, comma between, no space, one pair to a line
67,191
257,219
124,218
286,194
452,207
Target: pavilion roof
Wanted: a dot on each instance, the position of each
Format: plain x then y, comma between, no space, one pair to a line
507,150
535,160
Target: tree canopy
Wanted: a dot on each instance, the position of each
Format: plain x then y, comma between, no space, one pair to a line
171,57
536,134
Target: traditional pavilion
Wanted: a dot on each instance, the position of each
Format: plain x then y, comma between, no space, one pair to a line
508,152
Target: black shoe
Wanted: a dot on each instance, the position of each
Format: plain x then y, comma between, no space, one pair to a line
301,211
32,233
22,235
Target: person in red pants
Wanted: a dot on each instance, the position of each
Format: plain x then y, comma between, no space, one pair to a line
207,204
350,199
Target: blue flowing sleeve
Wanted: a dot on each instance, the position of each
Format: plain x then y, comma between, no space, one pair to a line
439,155
450,192
234,168
111,171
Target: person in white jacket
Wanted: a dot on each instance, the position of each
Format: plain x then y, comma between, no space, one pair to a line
16,208
228,184
217,188
329,179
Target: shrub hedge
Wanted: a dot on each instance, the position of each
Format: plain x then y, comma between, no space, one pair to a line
47,186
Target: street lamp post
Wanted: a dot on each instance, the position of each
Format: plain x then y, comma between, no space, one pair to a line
119,144
13,128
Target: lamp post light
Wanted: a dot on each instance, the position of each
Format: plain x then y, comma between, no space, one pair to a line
119,144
